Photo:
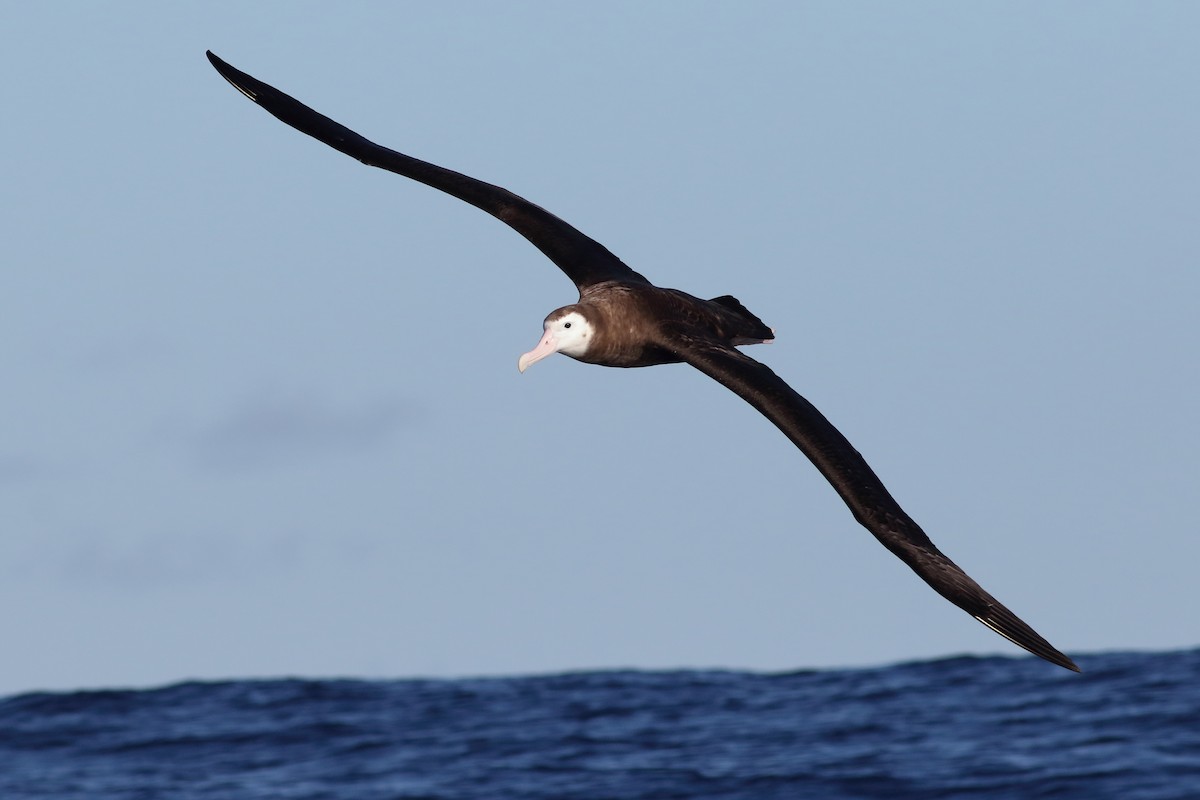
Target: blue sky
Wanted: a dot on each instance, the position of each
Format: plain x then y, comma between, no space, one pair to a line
261,410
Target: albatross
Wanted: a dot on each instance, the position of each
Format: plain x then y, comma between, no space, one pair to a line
623,320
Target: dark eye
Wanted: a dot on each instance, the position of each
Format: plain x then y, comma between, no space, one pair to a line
566,324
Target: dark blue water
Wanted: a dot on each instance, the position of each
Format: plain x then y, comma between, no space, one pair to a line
1128,728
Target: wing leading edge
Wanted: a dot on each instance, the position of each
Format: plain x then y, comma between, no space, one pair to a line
584,260
858,485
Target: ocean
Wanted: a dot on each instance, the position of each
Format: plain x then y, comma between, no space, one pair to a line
1127,728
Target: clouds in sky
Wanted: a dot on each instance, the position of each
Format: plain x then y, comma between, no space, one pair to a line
274,429
242,372
19,468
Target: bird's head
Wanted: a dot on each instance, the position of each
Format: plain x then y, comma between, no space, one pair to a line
567,331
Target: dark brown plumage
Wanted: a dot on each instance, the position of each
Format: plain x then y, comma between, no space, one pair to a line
622,320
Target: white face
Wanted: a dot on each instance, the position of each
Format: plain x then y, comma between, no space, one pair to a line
569,334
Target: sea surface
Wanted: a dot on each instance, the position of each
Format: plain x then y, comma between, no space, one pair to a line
1127,728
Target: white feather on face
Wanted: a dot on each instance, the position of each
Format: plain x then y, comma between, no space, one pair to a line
572,331
566,331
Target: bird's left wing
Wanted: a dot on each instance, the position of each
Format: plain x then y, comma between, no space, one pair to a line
856,482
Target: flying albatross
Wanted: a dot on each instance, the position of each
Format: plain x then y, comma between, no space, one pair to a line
623,320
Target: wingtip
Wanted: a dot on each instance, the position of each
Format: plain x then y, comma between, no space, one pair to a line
237,79
1008,625
1065,661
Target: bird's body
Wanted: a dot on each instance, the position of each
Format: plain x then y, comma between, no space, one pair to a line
632,323
622,320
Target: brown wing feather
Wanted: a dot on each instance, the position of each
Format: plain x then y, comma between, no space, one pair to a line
584,260
857,484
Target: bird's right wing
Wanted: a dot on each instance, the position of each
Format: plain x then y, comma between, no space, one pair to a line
584,260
